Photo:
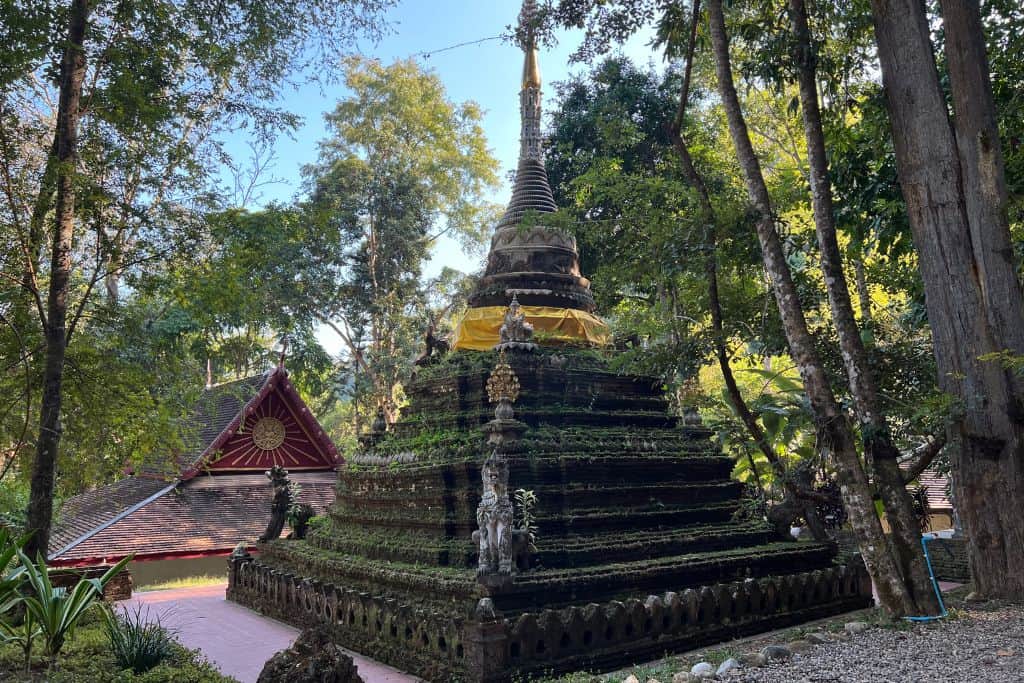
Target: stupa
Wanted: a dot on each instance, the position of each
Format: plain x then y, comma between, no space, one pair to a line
534,511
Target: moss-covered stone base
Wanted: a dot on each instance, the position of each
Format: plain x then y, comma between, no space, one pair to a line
446,646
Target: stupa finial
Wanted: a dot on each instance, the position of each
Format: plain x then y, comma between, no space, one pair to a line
529,95
526,33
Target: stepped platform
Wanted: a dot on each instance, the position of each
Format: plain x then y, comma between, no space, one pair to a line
638,549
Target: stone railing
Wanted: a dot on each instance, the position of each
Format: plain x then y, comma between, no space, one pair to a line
410,637
593,636
486,647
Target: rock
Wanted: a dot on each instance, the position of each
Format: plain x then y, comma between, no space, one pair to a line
989,659
817,638
776,653
727,666
631,679
703,670
686,677
855,627
798,646
312,658
753,659
974,596
653,680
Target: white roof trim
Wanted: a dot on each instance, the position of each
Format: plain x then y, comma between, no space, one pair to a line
116,518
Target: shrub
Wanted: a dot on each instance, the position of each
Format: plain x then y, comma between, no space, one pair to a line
138,643
55,612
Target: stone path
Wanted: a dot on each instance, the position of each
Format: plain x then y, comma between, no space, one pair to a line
236,639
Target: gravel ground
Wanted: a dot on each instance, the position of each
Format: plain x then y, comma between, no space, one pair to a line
979,644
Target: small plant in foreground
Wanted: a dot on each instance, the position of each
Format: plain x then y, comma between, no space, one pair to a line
138,642
56,611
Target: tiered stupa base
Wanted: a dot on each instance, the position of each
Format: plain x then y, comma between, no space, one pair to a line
638,551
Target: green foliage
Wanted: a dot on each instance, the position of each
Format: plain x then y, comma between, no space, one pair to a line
11,571
87,658
55,612
403,165
639,225
525,507
138,642
164,80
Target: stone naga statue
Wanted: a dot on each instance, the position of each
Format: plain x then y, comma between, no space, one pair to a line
282,502
494,518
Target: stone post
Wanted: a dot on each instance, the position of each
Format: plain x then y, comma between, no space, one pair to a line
239,556
486,651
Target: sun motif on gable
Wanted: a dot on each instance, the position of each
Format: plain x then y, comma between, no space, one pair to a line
268,433
272,433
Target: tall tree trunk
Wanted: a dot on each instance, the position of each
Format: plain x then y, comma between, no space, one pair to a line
954,187
72,73
875,433
983,173
832,425
749,420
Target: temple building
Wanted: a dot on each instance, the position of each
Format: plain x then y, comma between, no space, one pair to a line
183,507
534,511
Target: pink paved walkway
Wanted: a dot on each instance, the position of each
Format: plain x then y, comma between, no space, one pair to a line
237,640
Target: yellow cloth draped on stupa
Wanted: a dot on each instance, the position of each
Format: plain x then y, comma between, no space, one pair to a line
479,328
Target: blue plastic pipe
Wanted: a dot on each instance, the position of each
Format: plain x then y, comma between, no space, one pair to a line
935,584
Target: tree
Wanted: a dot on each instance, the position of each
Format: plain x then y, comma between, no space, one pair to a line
900,575
54,320
403,166
952,177
880,452
142,88
833,426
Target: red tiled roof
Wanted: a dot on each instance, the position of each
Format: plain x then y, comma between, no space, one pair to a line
90,510
204,515
937,487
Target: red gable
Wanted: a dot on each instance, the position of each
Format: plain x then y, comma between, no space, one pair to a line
275,427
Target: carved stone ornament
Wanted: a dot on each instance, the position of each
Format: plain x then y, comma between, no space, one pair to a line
485,610
515,332
380,422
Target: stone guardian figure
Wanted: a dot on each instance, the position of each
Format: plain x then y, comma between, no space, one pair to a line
494,518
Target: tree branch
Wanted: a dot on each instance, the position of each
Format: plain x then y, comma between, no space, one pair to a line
924,456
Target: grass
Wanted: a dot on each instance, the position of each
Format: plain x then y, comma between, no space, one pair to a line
88,658
186,582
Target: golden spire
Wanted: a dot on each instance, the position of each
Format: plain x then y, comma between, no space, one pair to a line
528,37
531,69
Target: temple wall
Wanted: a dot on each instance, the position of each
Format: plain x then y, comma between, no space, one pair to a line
483,647
150,572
